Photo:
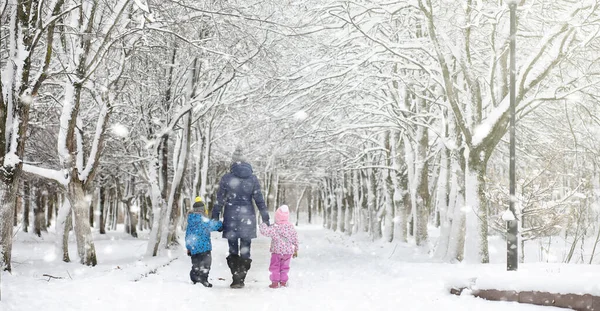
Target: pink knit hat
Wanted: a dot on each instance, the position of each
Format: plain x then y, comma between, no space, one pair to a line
282,214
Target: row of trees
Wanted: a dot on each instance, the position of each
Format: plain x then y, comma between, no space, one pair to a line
390,116
416,112
126,95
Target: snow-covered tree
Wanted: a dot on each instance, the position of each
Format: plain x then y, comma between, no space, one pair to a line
29,27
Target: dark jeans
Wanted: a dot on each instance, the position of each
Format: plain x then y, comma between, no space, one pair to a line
240,247
201,263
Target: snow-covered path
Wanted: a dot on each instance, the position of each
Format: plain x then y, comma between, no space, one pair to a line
331,273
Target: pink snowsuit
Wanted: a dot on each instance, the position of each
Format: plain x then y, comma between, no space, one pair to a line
284,242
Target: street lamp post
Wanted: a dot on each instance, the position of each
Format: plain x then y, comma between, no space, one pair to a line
512,228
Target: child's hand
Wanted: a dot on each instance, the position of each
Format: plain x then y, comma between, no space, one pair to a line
189,253
295,254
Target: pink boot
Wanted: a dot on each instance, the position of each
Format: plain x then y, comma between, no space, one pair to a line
274,285
283,284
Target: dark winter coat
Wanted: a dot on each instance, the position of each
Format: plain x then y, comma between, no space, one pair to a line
197,234
236,191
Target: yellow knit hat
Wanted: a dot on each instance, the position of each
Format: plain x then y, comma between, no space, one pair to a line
198,199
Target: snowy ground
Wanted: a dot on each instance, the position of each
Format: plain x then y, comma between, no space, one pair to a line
332,272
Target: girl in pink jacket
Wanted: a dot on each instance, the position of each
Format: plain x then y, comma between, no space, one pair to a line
284,244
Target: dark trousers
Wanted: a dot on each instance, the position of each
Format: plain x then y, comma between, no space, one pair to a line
240,247
201,263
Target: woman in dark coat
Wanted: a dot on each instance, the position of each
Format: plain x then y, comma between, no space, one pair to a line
236,191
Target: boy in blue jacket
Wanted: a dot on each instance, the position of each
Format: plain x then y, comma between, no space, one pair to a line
197,241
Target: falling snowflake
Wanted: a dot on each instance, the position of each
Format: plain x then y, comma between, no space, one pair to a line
120,130
300,115
26,99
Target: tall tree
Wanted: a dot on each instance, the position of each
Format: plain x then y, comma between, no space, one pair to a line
31,26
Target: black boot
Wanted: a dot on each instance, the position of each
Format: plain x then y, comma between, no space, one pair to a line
194,276
204,281
234,263
200,268
244,267
203,277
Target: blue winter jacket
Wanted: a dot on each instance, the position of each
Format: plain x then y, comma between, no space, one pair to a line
237,189
197,234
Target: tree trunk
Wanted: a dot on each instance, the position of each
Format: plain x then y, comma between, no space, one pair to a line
39,212
200,141
277,192
18,206
310,204
298,204
365,219
356,201
159,212
281,197
131,220
36,201
83,233
8,194
93,204
206,160
423,197
349,203
321,207
327,201
149,213
388,187
64,221
341,207
20,34
141,213
110,209
130,215
187,207
163,156
400,184
143,220
404,208
390,216
102,209
181,162
173,221
334,207
374,219
457,218
144,213
268,184
26,205
476,244
51,208
443,205
44,209
116,203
